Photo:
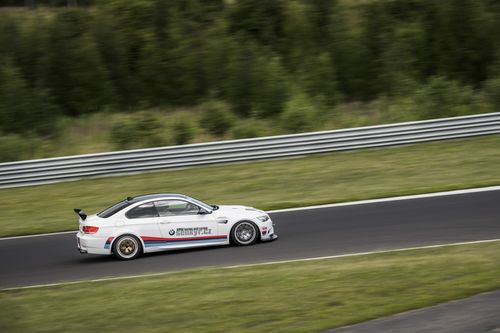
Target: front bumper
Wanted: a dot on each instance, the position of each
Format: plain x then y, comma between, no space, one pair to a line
270,238
267,232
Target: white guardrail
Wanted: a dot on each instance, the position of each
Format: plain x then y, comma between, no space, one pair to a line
52,170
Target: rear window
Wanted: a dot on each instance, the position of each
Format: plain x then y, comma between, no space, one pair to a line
113,209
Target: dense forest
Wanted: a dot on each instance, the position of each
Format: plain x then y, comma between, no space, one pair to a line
288,61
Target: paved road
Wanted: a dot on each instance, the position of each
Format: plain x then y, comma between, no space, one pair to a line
477,314
305,233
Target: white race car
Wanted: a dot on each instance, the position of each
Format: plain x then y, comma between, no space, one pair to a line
158,222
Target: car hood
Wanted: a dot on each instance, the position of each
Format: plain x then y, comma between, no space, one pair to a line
233,209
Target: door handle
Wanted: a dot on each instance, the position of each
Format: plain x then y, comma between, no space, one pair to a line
164,222
222,221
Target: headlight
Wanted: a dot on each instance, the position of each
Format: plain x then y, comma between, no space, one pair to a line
263,218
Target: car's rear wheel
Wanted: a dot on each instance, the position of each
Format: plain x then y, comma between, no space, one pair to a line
127,247
244,233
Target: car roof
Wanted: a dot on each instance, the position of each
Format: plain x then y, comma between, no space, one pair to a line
110,211
143,197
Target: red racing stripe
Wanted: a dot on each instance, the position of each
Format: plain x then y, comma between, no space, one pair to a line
161,239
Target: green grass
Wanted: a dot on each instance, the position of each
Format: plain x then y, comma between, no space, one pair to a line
292,297
268,184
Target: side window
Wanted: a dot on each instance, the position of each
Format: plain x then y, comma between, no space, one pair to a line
176,207
142,211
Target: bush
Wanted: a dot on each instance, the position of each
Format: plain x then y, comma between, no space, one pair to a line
217,118
14,148
299,114
123,133
184,132
441,97
399,109
140,130
249,128
491,93
270,89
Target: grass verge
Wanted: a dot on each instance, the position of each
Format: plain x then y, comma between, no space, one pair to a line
318,179
307,296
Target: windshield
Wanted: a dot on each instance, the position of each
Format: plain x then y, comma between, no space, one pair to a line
113,209
202,204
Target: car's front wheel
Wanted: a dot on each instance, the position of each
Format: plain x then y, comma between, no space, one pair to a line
127,247
244,233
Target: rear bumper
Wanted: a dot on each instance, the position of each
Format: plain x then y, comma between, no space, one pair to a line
91,244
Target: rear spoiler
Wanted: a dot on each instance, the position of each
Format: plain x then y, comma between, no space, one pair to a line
81,213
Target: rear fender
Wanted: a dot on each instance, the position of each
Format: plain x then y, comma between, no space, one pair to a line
127,232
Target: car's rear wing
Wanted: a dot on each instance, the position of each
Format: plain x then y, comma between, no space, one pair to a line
81,213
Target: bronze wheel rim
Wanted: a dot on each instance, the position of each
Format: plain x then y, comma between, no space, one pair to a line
128,247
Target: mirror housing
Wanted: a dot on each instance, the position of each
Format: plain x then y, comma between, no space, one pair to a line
203,212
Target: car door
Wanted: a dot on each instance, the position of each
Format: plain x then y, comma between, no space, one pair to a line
184,224
142,220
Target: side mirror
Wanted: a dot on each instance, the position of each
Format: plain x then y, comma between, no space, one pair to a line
203,212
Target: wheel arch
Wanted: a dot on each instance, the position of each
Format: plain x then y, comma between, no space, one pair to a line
127,233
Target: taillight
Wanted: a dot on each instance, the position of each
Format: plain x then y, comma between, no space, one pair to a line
90,230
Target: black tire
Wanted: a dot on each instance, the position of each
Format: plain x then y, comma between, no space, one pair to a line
244,233
127,247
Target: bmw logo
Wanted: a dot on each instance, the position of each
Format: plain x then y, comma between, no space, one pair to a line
171,232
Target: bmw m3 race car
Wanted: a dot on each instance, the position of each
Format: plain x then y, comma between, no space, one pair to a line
158,222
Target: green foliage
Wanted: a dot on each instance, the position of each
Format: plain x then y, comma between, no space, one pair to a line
24,109
250,128
127,55
461,37
217,118
270,89
320,80
444,98
13,147
75,73
258,20
299,114
184,131
240,80
491,92
123,133
140,130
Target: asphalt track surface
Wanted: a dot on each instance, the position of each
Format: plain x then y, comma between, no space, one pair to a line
477,314
303,234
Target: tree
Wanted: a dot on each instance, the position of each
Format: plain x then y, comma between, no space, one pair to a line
270,86
320,79
258,20
24,109
298,33
349,54
74,72
240,81
460,39
399,74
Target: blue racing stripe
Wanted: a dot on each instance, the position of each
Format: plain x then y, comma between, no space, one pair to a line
176,242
